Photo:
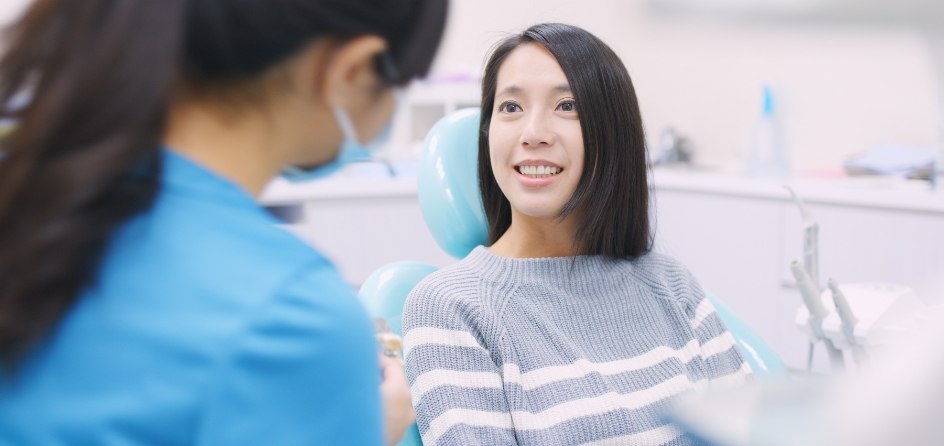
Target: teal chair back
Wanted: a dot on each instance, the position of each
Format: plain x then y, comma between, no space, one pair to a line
447,182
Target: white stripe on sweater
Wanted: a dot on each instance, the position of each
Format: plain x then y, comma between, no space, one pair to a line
437,336
582,367
534,379
659,435
702,312
737,378
560,413
471,417
442,377
718,344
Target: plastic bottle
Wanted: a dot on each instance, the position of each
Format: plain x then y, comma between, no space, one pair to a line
767,156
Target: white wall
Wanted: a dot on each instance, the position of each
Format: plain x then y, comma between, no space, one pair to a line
841,88
10,9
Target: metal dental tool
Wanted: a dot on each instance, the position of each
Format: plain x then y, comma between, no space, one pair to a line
810,239
848,320
818,312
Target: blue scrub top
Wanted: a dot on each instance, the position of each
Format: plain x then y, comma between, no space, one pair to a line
208,325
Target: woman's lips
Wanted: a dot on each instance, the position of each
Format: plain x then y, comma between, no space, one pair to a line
537,174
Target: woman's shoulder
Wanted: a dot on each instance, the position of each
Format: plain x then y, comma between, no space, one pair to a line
452,294
658,262
457,282
667,278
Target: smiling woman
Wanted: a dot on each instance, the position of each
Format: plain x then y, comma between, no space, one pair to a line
535,145
544,95
566,329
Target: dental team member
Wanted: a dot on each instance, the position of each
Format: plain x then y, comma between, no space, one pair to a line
145,298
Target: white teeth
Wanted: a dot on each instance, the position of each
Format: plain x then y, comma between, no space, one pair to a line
539,170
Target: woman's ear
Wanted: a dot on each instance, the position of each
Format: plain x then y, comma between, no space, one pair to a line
350,69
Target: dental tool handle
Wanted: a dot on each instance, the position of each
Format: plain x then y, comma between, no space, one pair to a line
818,312
848,319
810,238
804,211
844,311
811,253
808,292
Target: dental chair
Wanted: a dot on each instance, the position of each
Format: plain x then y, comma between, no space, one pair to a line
452,208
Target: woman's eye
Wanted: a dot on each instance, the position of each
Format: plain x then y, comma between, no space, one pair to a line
567,106
509,107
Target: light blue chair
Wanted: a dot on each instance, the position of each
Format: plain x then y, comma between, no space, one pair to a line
447,180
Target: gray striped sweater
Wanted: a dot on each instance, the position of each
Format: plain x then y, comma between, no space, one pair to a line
503,351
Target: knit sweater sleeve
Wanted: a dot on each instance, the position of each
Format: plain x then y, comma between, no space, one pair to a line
454,371
723,363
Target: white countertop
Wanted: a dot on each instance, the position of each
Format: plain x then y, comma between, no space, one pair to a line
357,180
868,192
281,192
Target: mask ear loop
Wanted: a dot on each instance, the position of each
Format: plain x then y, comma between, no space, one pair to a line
388,71
345,124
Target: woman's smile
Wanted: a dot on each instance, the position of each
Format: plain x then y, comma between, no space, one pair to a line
534,173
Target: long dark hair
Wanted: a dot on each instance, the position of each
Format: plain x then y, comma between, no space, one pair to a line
88,84
612,196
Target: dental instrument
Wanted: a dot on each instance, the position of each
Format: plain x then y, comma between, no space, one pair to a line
847,320
810,239
817,313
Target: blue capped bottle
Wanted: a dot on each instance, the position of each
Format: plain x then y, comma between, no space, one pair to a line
767,155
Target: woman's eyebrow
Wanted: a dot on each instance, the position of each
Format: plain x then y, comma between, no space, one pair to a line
514,89
510,90
562,88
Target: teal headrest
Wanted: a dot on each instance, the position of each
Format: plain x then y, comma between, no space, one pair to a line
448,183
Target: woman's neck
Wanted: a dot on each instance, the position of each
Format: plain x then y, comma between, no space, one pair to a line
241,147
536,238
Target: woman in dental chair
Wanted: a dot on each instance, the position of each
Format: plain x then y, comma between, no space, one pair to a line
566,328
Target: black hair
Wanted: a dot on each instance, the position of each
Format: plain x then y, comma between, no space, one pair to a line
612,196
98,76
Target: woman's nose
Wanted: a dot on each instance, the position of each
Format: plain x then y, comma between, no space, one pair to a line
537,131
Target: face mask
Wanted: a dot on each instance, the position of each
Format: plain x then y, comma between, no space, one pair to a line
351,150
